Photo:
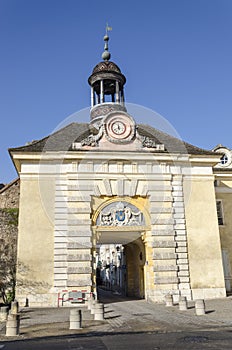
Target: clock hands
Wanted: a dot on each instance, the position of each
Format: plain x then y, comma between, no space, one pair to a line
118,128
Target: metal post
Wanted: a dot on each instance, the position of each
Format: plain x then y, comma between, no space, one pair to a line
117,92
92,97
122,97
101,91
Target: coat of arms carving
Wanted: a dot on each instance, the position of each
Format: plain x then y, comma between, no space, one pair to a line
120,214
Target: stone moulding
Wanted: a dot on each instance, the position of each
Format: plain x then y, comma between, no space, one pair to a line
79,283
167,280
79,257
161,268
164,244
80,270
164,256
163,232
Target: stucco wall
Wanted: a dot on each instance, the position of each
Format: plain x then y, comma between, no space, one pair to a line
223,193
204,249
35,243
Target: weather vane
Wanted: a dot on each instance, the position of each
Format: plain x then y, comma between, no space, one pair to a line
106,54
108,28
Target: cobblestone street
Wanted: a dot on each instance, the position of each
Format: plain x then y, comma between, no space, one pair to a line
123,315
140,315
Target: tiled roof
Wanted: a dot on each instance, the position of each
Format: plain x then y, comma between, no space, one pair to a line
61,140
171,143
75,132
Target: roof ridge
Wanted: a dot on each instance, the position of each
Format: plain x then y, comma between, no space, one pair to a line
179,140
62,139
44,138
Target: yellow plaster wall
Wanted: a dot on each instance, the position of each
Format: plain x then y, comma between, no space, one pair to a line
135,268
226,229
204,249
35,239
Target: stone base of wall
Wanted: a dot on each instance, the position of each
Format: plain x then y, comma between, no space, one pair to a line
158,296
38,300
208,293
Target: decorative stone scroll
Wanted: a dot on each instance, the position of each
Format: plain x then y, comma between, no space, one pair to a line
92,140
130,134
149,143
120,214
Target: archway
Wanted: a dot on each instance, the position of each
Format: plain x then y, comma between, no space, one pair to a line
120,250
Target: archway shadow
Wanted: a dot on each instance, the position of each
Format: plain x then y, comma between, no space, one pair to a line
109,297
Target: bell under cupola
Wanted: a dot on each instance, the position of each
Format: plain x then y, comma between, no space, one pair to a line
107,87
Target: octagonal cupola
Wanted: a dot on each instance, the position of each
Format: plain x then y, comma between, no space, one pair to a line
107,87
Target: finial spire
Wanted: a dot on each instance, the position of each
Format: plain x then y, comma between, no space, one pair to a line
106,54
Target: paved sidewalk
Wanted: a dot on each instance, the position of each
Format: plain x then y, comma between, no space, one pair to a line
123,315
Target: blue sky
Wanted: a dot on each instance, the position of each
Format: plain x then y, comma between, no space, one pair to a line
176,55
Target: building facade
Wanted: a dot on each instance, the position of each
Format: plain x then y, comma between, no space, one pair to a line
115,182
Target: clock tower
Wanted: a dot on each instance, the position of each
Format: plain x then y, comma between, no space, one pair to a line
107,87
111,126
108,111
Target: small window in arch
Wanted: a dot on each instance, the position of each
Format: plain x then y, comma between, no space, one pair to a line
224,159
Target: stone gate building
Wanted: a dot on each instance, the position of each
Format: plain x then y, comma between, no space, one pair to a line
112,181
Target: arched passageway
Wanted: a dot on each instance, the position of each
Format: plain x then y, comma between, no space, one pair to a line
120,250
120,267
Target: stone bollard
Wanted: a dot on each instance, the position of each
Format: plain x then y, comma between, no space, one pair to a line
200,307
183,306
14,307
90,302
99,312
75,319
12,325
95,302
26,303
3,313
169,300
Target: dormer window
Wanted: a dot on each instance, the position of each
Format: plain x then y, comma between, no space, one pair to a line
225,157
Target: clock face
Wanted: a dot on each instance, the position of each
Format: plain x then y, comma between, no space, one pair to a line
118,127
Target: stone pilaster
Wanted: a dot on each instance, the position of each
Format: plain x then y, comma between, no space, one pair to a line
73,235
162,239
79,234
60,235
181,237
